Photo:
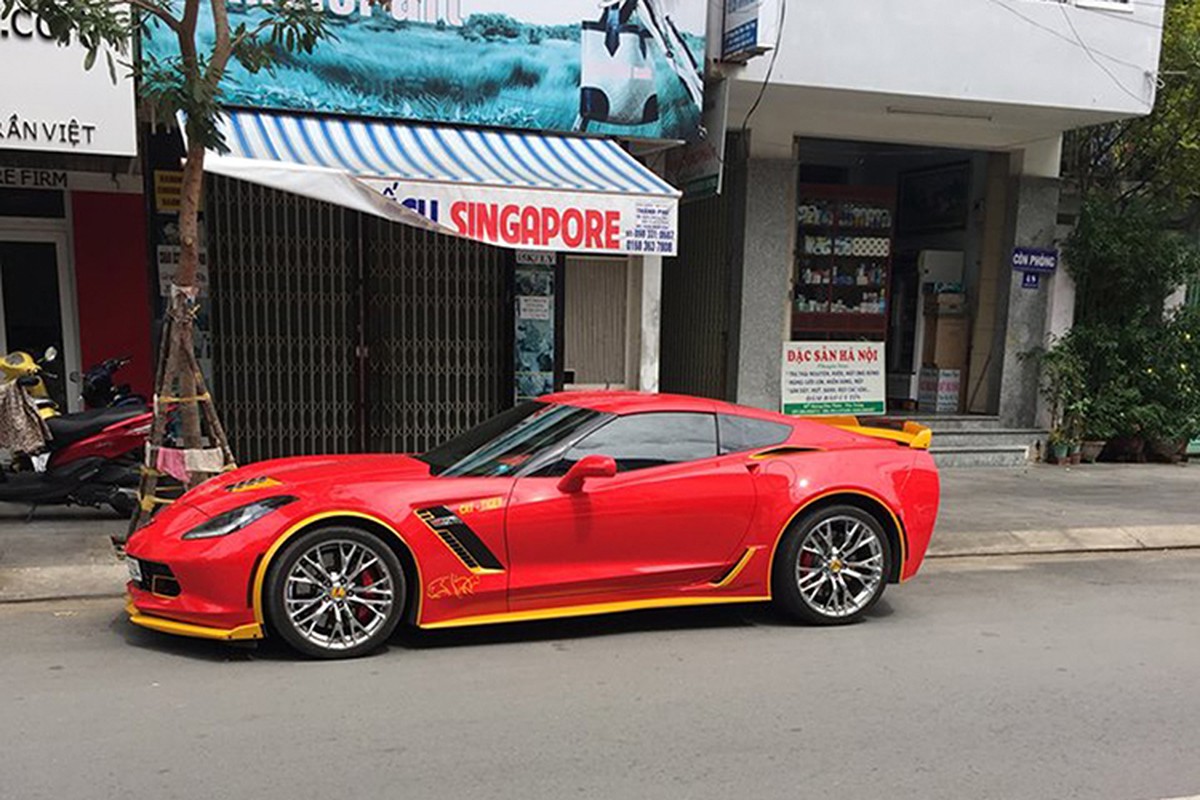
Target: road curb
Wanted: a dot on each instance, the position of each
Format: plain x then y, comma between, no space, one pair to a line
68,582
1065,540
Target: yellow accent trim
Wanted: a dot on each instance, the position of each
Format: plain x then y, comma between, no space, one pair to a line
260,577
254,484
737,568
241,633
564,612
833,493
913,435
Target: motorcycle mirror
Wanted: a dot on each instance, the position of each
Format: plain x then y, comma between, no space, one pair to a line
50,354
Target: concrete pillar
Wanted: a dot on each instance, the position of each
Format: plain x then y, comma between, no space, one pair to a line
643,323
1033,214
766,280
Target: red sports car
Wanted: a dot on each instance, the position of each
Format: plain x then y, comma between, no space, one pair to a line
576,504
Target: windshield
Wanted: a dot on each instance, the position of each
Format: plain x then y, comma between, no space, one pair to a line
508,441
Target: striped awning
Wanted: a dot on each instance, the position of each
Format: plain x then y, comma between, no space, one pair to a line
509,188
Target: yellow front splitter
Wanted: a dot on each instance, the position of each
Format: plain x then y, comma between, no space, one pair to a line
241,633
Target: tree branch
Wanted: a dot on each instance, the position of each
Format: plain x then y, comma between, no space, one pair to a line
160,13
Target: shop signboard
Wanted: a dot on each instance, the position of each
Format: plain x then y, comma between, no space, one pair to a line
533,220
51,103
697,167
548,65
834,378
751,29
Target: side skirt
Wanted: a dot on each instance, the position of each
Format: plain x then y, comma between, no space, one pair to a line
564,612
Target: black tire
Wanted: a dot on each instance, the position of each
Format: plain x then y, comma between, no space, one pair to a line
122,504
354,604
817,604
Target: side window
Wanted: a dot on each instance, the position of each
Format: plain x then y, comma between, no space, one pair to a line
743,433
639,441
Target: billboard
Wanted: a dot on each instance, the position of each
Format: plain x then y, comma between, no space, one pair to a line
630,68
51,103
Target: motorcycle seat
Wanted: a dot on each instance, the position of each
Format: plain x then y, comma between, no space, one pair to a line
71,428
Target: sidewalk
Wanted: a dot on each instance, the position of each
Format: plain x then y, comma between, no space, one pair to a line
1035,509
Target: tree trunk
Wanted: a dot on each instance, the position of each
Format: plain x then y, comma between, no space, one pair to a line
185,278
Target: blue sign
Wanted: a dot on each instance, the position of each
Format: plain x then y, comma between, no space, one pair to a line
751,28
1030,280
631,69
1035,259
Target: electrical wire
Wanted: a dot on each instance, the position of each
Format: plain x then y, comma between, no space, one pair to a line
1060,35
1116,81
762,90
1120,17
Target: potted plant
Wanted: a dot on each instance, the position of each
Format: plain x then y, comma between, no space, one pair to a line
1058,447
1064,387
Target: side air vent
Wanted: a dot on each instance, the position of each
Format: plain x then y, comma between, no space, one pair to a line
461,540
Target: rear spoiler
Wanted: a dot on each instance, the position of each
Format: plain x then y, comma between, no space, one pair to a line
912,434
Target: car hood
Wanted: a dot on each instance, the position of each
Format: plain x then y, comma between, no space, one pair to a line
290,475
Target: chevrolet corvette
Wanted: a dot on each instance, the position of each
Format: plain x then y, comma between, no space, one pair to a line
572,505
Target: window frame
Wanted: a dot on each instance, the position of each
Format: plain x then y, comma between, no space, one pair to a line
786,436
606,419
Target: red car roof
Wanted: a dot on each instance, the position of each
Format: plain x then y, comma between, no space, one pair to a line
626,402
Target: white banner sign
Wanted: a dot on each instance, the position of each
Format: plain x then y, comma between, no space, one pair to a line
834,378
543,220
50,102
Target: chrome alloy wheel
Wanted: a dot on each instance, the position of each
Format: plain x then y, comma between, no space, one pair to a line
840,566
338,594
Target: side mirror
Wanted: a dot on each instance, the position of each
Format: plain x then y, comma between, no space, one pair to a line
592,466
50,354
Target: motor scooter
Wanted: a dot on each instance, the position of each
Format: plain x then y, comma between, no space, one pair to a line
98,389
93,457
28,371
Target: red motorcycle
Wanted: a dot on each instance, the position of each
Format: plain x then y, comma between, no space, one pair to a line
93,458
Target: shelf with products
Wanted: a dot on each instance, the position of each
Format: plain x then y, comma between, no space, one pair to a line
843,260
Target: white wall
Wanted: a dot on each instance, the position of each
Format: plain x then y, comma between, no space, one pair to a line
991,74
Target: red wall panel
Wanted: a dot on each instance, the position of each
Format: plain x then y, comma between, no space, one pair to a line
112,283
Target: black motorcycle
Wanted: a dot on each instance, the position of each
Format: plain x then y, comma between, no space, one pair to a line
99,391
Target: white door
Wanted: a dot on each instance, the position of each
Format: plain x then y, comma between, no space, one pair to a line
37,302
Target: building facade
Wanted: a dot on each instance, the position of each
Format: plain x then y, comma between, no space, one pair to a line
73,269
885,165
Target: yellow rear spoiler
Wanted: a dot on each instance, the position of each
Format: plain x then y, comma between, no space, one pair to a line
912,434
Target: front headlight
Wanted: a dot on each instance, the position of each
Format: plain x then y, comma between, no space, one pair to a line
238,518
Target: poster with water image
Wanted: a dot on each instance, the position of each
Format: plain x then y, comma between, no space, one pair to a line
630,68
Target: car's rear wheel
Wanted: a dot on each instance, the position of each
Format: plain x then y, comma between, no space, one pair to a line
335,593
832,566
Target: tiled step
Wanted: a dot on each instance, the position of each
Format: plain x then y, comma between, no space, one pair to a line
980,456
994,437
949,422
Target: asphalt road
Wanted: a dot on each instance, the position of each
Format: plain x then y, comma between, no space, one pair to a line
1054,677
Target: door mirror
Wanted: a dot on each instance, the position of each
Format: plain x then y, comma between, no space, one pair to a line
592,466
50,354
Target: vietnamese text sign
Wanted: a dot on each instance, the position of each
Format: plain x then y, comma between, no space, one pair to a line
540,64
1034,259
751,28
832,378
50,102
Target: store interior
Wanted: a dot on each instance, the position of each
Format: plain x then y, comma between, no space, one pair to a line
889,246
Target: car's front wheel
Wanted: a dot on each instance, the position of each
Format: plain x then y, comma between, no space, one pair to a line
832,566
335,593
